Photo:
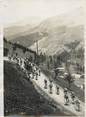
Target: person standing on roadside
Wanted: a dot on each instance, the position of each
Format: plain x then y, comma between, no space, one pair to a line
66,97
39,72
77,102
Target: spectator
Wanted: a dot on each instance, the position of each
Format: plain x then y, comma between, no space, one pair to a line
39,72
77,104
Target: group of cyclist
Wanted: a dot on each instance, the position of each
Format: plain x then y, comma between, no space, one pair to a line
34,71
69,96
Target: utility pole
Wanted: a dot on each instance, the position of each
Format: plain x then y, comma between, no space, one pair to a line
36,50
36,46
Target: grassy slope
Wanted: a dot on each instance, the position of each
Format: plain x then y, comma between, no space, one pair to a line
21,96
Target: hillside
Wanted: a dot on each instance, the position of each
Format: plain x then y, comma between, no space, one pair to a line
17,30
57,40
28,40
21,28
61,30
21,96
56,30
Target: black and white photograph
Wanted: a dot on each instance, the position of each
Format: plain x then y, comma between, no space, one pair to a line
43,57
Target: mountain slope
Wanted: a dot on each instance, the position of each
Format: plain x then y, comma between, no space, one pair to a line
62,29
28,40
21,28
69,19
17,31
55,42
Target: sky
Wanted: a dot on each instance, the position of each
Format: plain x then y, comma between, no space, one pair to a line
12,11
